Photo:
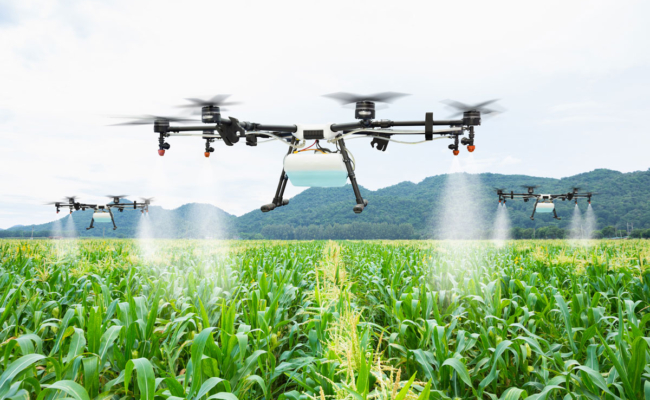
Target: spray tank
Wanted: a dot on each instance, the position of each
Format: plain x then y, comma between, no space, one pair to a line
316,169
102,216
545,207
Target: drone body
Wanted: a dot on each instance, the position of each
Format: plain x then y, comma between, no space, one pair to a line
103,212
544,203
316,165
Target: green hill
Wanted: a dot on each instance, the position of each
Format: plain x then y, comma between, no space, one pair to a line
405,210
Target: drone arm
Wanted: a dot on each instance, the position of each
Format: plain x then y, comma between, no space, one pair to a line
387,124
248,126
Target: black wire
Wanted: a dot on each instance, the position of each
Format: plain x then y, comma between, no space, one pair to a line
324,149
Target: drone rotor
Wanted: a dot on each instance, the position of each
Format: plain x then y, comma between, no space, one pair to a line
461,108
116,198
365,104
209,109
150,119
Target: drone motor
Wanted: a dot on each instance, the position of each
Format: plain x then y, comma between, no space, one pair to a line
364,110
210,115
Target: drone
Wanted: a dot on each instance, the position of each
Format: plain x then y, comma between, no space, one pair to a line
316,165
103,213
544,202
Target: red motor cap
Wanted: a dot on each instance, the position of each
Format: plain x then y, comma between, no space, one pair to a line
207,154
456,152
161,152
471,148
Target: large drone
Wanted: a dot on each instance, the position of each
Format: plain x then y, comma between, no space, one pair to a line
103,213
543,202
315,165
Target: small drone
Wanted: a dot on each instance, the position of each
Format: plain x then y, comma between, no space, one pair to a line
543,202
315,165
103,213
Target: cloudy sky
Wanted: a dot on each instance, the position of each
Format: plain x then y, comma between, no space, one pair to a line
574,77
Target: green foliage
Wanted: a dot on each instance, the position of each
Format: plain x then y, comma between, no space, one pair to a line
332,320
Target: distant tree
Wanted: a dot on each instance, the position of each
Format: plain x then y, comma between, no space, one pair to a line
608,231
637,234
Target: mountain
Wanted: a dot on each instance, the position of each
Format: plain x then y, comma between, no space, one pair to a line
405,210
188,221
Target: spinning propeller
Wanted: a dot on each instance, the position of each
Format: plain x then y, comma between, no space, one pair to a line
150,119
211,108
364,104
215,101
530,188
383,97
480,107
116,198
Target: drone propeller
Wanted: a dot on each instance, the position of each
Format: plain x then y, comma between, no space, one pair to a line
383,97
116,199
530,186
150,119
147,200
499,190
70,199
481,107
216,101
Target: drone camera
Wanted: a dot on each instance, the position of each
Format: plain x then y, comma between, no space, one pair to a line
364,110
210,115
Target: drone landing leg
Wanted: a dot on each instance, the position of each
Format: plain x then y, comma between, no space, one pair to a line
92,221
555,214
279,192
361,203
534,209
112,219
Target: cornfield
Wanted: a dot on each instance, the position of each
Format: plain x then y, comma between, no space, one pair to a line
98,319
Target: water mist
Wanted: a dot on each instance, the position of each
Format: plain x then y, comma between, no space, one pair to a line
590,223
460,217
145,237
576,228
501,231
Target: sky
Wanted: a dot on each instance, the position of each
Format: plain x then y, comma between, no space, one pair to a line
573,77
